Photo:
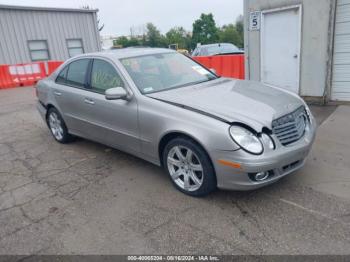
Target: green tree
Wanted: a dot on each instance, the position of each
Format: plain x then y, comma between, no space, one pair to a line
204,30
153,36
229,34
240,29
178,35
122,40
239,24
127,42
233,33
133,41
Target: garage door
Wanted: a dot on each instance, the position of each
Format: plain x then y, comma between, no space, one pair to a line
341,63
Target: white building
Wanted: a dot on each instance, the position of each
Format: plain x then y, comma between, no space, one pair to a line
300,45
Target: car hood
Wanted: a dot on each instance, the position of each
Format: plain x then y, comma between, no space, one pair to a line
231,100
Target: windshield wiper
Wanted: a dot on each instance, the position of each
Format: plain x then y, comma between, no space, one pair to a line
191,83
179,86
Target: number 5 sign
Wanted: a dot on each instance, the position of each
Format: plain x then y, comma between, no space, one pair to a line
254,23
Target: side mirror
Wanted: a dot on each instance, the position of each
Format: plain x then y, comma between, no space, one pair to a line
116,93
213,70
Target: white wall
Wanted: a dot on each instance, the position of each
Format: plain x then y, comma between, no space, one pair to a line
314,43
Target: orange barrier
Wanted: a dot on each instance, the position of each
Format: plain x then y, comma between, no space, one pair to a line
52,66
21,74
225,65
29,74
26,74
6,80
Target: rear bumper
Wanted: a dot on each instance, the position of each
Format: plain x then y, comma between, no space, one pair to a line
280,162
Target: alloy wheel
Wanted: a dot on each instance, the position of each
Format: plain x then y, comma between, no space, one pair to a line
56,126
185,168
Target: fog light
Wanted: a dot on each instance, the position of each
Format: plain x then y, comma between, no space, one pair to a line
261,176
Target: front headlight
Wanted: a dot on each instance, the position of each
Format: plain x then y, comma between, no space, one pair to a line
246,139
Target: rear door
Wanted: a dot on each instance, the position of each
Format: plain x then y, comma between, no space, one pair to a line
68,90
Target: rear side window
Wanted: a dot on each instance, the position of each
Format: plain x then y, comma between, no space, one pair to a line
61,78
104,76
76,74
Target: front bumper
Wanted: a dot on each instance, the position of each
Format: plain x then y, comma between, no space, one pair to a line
281,162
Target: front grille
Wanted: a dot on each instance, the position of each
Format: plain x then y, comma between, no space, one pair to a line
291,127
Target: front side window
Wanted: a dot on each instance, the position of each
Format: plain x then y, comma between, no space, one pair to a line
159,72
76,74
38,50
75,47
104,76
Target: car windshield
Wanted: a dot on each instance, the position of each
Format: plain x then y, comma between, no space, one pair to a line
159,72
222,49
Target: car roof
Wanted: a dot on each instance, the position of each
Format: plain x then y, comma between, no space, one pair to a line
128,52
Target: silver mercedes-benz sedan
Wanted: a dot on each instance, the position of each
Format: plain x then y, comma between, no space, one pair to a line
206,131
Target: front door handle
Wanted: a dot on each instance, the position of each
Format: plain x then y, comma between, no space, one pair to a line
57,93
89,101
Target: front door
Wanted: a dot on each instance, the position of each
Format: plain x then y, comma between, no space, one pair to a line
112,122
280,48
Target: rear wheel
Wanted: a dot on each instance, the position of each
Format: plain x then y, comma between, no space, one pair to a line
57,126
189,167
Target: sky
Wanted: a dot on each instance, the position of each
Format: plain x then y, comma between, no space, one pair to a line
120,15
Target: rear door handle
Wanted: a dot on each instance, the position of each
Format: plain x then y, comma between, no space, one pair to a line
57,93
89,101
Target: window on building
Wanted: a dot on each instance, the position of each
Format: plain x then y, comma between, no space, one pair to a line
75,47
104,76
38,50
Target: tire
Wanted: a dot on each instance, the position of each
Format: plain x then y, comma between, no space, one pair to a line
189,167
57,126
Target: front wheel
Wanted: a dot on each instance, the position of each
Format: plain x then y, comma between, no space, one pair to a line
189,167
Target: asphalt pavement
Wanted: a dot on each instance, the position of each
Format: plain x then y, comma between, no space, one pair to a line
86,198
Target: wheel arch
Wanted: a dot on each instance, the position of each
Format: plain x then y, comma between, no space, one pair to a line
174,134
48,107
51,105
